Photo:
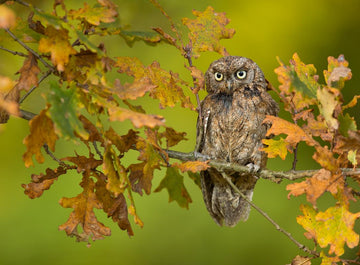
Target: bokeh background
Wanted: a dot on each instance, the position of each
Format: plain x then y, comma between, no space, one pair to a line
172,235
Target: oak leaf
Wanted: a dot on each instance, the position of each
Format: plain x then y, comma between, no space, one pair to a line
275,148
141,174
172,137
84,164
123,143
131,91
115,207
206,31
328,103
295,134
137,119
83,214
40,183
57,43
333,227
64,111
299,260
115,172
163,85
193,166
97,14
315,186
174,183
42,132
28,73
338,72
328,260
9,98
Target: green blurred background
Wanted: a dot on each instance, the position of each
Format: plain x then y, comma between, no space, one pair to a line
171,235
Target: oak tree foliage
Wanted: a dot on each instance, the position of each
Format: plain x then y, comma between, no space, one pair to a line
82,105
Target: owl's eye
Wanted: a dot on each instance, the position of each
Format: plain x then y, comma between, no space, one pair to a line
218,76
241,74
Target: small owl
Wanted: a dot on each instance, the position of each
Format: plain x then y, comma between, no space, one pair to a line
230,128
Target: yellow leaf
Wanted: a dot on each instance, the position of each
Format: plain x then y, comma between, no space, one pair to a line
207,30
328,103
275,148
163,85
328,260
95,15
333,227
57,43
338,72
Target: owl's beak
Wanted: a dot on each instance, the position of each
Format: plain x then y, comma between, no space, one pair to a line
229,84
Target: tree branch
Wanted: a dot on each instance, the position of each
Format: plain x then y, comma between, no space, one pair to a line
29,49
13,52
33,88
267,217
275,176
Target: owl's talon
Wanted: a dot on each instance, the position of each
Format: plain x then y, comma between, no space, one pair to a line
253,168
199,156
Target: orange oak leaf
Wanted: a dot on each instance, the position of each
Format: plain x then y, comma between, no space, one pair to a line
40,183
326,158
198,77
7,17
172,137
315,186
163,85
94,135
131,91
42,132
115,207
57,43
338,72
84,164
94,15
28,73
206,31
123,143
137,119
275,148
174,183
137,220
295,134
333,227
83,214
193,166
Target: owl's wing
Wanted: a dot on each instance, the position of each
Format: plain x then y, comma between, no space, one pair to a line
201,126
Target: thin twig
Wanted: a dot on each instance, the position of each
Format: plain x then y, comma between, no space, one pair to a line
267,217
29,49
47,150
27,115
33,88
13,52
97,150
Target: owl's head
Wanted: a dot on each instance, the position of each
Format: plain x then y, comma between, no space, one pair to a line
234,73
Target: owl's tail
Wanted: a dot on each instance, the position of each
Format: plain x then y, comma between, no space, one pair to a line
225,205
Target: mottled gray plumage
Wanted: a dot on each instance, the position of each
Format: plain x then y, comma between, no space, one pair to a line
230,128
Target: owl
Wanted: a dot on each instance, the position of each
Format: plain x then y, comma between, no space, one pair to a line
230,127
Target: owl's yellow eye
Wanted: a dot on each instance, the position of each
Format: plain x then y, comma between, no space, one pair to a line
218,76
241,74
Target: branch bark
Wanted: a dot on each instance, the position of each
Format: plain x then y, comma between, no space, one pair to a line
275,176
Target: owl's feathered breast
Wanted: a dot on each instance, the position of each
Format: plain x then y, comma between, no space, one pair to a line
232,125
